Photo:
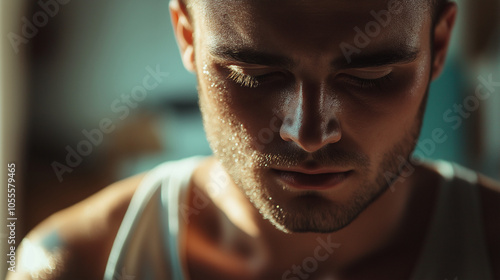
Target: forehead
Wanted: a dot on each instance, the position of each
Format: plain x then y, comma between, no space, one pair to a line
307,26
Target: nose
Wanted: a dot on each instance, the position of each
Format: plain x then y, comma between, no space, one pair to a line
310,118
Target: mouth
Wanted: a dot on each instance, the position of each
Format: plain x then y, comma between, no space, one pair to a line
312,179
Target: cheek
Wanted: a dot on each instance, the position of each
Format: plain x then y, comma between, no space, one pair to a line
231,116
246,112
379,122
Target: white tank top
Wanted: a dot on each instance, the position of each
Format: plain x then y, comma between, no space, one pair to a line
146,246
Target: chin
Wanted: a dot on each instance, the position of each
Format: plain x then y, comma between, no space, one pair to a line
313,212
310,213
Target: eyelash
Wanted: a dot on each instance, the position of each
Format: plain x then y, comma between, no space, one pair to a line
243,80
249,81
370,83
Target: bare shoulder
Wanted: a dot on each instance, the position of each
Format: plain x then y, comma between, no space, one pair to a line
490,197
81,234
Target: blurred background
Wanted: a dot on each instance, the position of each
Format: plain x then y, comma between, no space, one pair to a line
94,91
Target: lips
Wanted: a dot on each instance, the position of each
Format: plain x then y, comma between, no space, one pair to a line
310,179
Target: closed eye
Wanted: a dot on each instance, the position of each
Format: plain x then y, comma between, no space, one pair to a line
243,80
250,77
364,83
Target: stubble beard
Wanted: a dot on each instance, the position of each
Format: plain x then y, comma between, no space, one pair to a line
246,166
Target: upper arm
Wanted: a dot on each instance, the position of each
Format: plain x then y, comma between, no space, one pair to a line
75,243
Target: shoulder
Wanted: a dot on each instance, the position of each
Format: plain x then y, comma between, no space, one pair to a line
489,195
83,233
490,201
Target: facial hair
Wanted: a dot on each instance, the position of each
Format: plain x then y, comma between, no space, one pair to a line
249,169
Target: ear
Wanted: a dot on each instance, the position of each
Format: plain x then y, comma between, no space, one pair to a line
442,34
183,33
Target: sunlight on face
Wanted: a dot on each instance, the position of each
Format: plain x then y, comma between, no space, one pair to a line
280,60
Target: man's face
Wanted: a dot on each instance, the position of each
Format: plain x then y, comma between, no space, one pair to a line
307,115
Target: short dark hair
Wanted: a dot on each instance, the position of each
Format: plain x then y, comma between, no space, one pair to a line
435,5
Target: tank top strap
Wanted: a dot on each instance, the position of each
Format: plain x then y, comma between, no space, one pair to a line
146,245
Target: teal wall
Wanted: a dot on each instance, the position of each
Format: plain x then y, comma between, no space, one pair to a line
444,93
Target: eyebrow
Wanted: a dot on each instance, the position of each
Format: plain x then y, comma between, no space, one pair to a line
382,58
250,56
363,60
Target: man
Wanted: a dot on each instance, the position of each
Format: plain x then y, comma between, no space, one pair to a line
312,109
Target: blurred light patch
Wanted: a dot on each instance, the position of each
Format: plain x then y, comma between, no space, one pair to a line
37,261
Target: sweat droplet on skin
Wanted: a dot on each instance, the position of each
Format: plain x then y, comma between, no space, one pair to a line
232,145
205,72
